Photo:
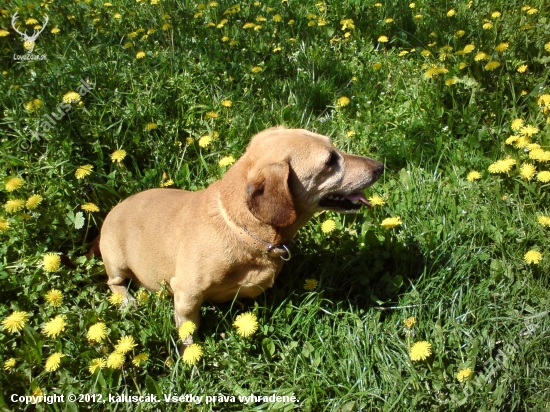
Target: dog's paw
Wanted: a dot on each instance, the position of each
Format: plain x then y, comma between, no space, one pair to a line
129,301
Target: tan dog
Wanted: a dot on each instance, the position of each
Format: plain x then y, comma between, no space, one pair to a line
232,237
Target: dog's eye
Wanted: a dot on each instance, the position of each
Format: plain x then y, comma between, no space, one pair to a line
332,160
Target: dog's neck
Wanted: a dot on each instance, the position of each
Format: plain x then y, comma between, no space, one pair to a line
235,210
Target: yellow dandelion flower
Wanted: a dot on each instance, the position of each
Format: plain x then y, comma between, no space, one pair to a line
533,257
533,146
529,130
54,297
4,33
544,102
343,101
51,262
14,205
451,13
193,354
33,105
412,5
13,184
142,297
410,322
140,55
97,332
125,344
532,11
33,201
495,14
347,24
383,39
469,48
151,126
543,177
16,321
83,171
463,374
246,324
522,68
311,284
328,226
55,30
527,171
205,140
376,201
539,154
389,20
71,97
31,21
420,350
9,364
256,69
459,33
487,26
95,364
481,56
118,155
492,65
377,66
544,221
116,298
502,47
54,327
226,161
521,142
502,166
167,183
451,81
186,329
517,124
391,222
115,360
4,224
227,103
53,362
512,139
138,359
90,207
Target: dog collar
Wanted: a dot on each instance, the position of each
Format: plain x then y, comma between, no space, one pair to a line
267,248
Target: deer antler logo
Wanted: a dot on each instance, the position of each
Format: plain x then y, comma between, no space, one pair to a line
29,40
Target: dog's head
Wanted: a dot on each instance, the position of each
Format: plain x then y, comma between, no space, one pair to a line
294,173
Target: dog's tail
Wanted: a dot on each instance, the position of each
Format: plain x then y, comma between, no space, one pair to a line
94,249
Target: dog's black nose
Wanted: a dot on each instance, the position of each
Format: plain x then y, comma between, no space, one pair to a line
379,170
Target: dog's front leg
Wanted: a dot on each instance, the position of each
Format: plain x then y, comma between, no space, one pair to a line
187,305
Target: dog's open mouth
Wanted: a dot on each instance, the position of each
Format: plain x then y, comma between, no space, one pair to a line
349,202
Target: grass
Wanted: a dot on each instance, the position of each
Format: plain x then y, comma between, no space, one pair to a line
419,102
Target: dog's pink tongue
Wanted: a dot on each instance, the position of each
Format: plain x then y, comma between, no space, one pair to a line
359,196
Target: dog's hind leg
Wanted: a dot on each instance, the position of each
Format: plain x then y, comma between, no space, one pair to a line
118,279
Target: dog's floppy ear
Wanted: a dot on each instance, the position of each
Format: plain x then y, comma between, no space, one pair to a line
268,196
